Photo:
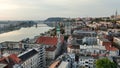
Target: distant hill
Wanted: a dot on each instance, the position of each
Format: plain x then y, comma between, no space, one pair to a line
54,19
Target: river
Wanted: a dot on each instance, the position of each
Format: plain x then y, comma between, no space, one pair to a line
23,33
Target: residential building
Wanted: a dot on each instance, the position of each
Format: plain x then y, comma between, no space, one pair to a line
87,62
29,59
60,64
113,51
89,40
103,42
52,45
73,49
11,47
79,34
68,28
9,61
94,50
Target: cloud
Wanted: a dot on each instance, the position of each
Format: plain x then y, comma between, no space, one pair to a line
41,9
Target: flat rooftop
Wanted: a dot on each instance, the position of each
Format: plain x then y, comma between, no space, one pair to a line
63,64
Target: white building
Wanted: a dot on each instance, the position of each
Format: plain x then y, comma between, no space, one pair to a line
68,28
52,45
29,59
87,62
64,65
32,58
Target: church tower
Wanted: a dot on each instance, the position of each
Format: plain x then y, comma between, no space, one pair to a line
58,31
116,13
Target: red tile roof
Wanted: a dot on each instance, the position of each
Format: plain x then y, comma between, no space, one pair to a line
10,60
110,48
73,46
51,49
47,40
14,58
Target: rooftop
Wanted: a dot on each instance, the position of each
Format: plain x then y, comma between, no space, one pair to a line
104,40
63,64
10,60
55,64
110,48
74,46
28,54
51,49
47,40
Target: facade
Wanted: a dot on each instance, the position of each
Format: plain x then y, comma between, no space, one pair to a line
87,62
50,52
83,33
73,49
103,42
94,51
29,59
68,28
113,51
41,57
52,45
11,47
89,40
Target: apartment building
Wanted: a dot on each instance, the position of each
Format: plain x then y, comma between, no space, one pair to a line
86,62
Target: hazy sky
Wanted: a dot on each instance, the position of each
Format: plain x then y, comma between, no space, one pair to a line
42,9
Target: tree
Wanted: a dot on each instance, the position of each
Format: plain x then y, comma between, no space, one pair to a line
105,63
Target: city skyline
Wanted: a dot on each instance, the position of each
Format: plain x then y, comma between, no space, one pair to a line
42,9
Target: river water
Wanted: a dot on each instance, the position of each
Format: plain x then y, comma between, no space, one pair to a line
23,33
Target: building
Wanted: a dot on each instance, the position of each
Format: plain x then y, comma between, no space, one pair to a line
9,61
113,51
29,59
73,49
86,62
11,47
89,40
68,28
103,42
64,65
94,50
60,64
52,45
79,34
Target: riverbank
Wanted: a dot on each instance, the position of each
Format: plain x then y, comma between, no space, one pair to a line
23,33
7,27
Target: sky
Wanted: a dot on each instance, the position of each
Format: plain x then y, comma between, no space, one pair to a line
43,9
